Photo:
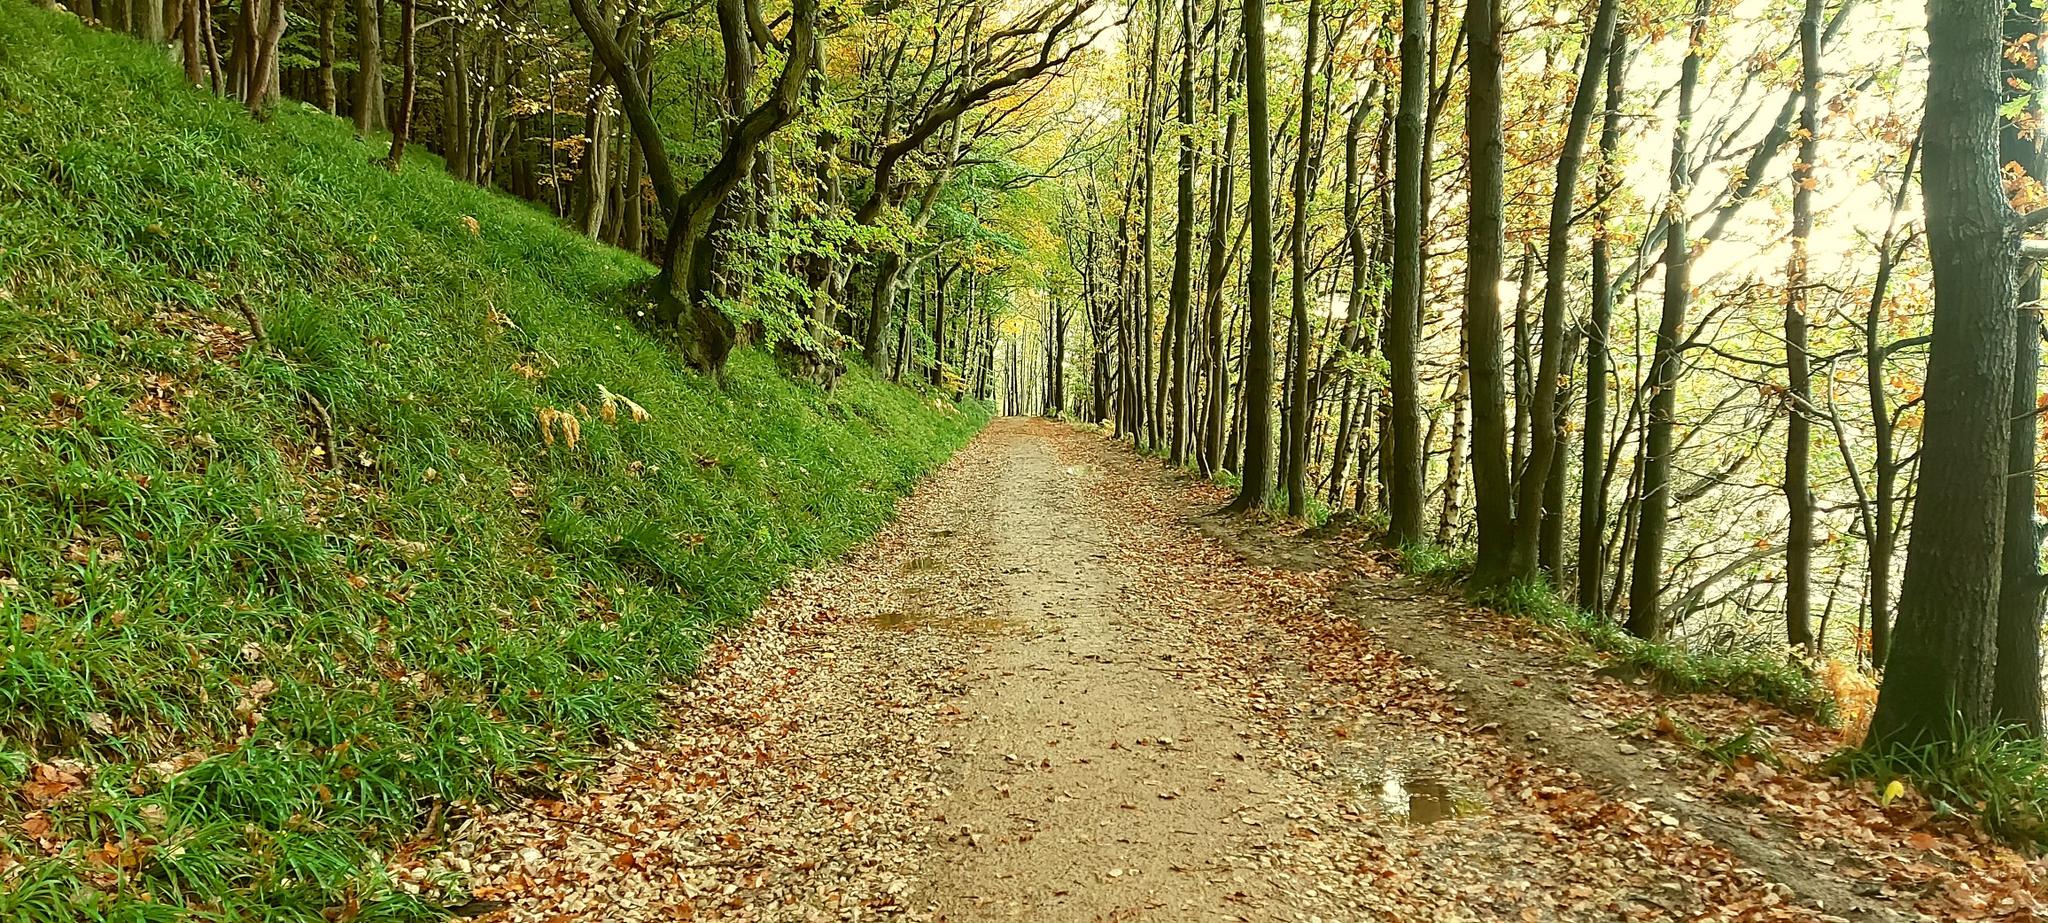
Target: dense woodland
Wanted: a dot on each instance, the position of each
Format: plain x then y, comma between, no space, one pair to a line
1716,317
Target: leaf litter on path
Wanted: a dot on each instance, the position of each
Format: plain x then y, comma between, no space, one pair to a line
1047,691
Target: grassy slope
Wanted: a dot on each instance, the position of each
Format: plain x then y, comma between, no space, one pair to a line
460,605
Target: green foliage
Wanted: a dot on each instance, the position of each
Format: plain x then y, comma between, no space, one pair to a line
271,666
1997,777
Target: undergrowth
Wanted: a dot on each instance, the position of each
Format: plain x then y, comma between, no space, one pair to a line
1753,675
236,670
1998,778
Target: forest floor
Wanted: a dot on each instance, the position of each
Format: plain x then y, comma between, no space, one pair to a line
1058,688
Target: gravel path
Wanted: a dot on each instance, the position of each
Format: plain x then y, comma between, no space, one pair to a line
1045,693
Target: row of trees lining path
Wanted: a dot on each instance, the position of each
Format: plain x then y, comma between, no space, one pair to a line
1668,306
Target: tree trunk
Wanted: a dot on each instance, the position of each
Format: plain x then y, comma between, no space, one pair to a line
1645,618
2016,694
1592,556
1257,477
1545,428
327,94
1182,297
1938,680
1403,480
1484,240
401,131
1799,393
1298,396
1216,272
369,101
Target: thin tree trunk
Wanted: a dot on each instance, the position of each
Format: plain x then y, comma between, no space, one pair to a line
1645,618
1592,557
2016,694
1799,394
402,130
1545,428
1181,299
1298,397
1257,476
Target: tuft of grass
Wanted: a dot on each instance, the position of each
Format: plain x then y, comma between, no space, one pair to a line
237,669
1998,778
1434,563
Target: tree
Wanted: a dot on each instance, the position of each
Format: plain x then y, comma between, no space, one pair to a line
400,130
1256,478
1592,550
1798,366
369,95
1404,310
1181,298
1491,487
1645,616
1545,429
1304,191
2016,693
1938,679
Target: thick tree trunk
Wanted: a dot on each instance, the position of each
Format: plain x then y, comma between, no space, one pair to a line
369,101
1938,679
194,41
327,95
1403,480
1484,240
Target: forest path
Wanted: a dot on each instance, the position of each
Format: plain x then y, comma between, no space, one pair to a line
1045,692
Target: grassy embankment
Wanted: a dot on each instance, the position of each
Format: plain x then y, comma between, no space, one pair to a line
235,671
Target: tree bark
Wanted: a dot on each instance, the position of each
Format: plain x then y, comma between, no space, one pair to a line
401,131
1545,428
369,101
1645,617
1799,393
1304,190
1492,492
2016,693
1256,477
327,94
1181,300
1938,679
1592,553
1403,480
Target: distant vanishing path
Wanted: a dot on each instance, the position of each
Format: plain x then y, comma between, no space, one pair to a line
1043,693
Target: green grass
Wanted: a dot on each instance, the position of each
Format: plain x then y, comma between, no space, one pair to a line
1998,778
267,671
1754,675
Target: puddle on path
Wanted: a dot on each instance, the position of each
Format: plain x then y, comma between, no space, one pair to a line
1421,798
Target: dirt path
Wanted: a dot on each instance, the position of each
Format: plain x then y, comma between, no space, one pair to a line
1046,693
